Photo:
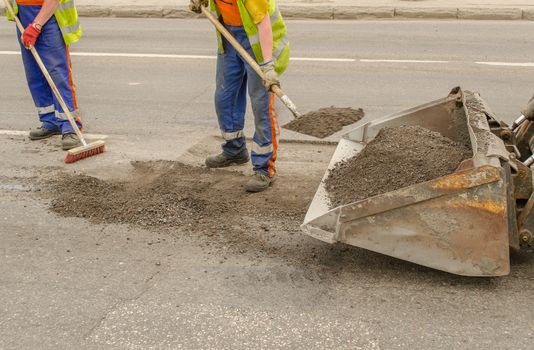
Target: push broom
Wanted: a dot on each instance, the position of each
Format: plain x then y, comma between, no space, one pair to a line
78,153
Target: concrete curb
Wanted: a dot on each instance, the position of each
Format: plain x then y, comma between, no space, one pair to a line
324,12
431,13
490,14
528,15
354,12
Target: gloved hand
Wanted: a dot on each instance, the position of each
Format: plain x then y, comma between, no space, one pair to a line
30,35
195,5
271,77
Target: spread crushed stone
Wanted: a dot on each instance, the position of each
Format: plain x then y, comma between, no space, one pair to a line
170,194
398,157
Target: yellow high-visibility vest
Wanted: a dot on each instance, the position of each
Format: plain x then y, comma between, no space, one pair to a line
66,17
281,47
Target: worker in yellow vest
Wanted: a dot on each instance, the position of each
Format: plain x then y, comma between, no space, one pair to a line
258,26
51,25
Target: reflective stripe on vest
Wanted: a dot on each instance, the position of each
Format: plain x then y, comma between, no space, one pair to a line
71,29
281,45
66,6
66,17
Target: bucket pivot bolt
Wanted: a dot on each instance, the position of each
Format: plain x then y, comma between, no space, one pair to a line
526,237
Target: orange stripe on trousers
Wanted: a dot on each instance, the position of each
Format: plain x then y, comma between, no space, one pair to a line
275,130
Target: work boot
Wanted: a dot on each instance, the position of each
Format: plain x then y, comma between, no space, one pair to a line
70,141
42,133
259,183
221,160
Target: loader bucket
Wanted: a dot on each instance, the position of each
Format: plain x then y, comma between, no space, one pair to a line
457,223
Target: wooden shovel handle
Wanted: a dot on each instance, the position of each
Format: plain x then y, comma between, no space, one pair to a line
251,61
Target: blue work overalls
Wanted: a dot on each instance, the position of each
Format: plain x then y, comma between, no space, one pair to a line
234,75
55,56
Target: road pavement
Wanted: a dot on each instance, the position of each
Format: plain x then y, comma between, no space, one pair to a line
66,282
122,94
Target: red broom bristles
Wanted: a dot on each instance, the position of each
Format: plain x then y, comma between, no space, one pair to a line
71,158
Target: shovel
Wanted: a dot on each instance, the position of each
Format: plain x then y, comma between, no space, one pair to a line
252,62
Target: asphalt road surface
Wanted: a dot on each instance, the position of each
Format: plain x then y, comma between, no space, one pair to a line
127,95
148,85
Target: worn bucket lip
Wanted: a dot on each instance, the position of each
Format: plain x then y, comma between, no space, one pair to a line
361,202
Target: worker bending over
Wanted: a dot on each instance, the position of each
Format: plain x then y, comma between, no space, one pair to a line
51,25
258,26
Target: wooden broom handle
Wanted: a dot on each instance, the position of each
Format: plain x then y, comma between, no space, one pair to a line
48,78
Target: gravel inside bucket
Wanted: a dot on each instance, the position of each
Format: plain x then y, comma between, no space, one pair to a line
398,157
